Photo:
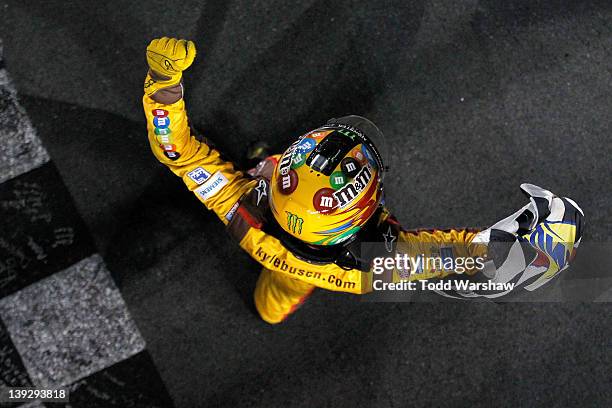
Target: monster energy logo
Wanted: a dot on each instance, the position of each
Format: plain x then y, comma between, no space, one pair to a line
294,223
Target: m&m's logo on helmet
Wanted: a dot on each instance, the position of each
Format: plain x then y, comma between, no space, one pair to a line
287,179
326,185
350,191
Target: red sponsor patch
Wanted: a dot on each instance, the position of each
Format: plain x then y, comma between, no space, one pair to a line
324,201
160,113
288,183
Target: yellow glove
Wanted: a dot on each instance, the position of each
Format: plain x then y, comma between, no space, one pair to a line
167,59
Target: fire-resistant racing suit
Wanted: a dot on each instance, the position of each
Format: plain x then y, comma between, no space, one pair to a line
240,202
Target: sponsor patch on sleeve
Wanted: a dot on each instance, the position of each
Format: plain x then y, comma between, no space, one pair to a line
172,155
161,122
199,175
168,147
159,112
212,186
232,211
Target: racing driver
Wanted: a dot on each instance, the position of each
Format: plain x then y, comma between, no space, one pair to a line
305,214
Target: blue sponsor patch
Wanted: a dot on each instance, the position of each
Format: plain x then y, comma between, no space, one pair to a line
161,122
212,186
232,211
199,175
306,145
366,152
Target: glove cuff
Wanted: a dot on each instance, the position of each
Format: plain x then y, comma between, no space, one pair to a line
154,83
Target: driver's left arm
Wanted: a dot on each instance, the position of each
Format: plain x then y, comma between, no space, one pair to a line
433,243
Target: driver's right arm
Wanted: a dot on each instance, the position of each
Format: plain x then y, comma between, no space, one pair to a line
213,180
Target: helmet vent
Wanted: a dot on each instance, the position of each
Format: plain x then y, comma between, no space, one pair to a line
330,151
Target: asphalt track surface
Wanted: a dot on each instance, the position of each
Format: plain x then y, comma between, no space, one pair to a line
474,97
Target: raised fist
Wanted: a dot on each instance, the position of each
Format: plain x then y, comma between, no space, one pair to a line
169,57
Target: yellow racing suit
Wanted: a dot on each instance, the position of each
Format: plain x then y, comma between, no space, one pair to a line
235,197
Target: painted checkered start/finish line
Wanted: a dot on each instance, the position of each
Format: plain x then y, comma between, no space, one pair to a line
63,322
